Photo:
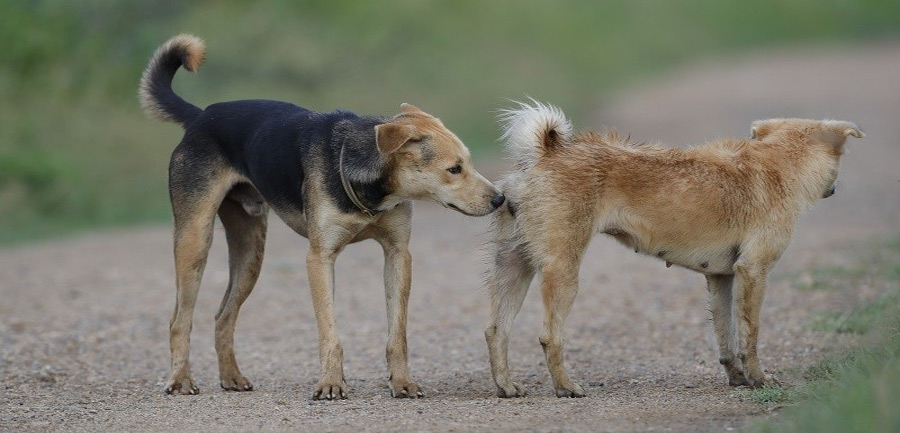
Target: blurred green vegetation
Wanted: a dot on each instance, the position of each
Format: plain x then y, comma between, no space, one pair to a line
76,151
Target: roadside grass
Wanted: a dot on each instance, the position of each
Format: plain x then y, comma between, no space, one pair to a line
824,278
76,152
856,389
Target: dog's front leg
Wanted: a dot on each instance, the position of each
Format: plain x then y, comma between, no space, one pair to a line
397,278
720,303
393,232
320,266
751,289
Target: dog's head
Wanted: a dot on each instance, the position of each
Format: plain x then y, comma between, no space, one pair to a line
824,140
430,162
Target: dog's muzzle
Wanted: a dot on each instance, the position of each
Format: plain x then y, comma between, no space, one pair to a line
829,192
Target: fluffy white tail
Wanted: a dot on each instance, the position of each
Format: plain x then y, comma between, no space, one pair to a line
530,130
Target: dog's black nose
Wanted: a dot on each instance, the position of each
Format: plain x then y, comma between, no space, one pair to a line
497,200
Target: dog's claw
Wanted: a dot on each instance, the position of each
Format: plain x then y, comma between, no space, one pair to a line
576,391
237,385
330,392
512,390
757,383
182,387
408,390
740,381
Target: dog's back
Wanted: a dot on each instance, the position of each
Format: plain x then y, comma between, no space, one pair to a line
692,207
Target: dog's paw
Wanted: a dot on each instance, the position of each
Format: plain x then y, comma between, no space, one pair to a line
510,390
738,381
575,391
236,383
406,389
182,386
758,381
330,391
737,378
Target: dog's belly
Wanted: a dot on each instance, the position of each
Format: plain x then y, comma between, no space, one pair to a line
295,219
711,258
710,261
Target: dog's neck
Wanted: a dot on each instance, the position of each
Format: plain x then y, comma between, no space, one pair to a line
348,187
362,169
812,174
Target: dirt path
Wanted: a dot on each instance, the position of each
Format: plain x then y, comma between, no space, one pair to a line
83,321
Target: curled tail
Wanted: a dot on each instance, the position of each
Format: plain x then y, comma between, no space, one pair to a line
531,130
156,95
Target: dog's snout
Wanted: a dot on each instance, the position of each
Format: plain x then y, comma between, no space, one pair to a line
497,200
829,192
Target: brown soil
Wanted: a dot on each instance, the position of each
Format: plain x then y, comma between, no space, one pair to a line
83,322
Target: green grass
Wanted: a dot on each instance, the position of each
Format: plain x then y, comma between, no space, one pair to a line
856,389
824,278
859,320
76,152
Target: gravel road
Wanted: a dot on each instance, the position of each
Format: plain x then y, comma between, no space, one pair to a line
83,321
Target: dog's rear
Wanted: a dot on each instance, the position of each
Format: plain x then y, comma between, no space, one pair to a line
530,133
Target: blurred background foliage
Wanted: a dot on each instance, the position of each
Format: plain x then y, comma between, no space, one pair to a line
76,152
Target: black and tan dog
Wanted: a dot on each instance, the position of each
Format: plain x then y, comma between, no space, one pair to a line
335,178
726,209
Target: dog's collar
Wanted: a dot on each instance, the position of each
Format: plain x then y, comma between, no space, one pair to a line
349,188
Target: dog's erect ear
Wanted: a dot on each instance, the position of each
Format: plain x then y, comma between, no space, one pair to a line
761,128
837,131
850,129
409,108
391,136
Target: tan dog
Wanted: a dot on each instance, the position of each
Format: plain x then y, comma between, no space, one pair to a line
336,178
726,209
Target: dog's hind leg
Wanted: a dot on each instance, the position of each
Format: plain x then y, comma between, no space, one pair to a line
507,285
720,305
194,213
246,235
563,250
192,240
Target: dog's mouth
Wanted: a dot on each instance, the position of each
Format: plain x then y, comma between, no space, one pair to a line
829,192
454,207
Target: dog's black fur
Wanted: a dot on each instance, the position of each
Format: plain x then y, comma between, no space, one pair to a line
275,145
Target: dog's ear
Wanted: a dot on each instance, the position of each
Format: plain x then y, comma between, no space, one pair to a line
835,132
391,136
849,129
409,108
761,128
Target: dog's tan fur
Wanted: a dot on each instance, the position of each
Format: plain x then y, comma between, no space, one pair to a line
726,209
423,160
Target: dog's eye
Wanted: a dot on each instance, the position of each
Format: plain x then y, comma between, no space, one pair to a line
456,169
